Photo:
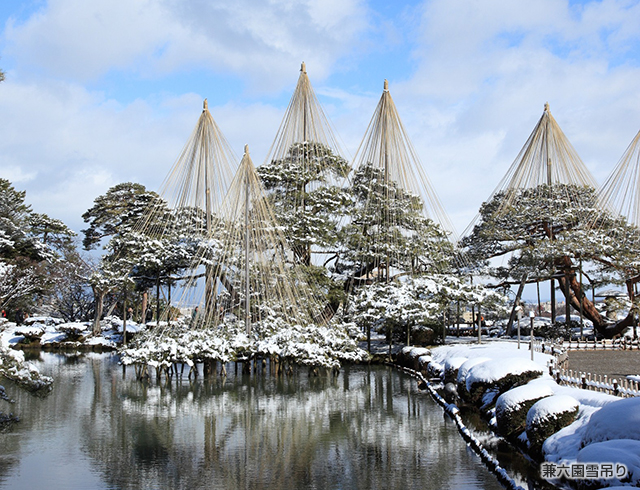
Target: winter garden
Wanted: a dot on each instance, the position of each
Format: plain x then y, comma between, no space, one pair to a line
308,258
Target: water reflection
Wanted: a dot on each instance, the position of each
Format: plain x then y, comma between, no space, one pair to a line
367,428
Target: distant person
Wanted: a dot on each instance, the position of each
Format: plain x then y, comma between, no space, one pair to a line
194,315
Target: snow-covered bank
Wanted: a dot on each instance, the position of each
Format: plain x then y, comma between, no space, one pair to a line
569,429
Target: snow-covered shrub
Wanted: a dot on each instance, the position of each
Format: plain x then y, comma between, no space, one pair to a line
435,370
414,355
402,357
513,405
310,345
547,416
463,372
416,303
75,332
423,364
499,375
25,374
451,366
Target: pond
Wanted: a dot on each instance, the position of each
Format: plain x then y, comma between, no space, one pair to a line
367,428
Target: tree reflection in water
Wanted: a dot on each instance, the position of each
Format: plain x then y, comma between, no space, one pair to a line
368,428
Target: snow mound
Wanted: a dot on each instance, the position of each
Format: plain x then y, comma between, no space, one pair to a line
44,320
35,330
497,369
423,361
515,398
464,368
550,407
617,420
513,406
620,451
451,366
548,416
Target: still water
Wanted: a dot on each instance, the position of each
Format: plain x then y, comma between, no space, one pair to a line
367,428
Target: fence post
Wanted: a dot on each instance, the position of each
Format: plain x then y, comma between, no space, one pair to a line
616,391
584,382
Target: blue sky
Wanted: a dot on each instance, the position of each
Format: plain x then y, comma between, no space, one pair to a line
108,91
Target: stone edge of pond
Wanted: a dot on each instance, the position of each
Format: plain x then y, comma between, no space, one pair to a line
454,412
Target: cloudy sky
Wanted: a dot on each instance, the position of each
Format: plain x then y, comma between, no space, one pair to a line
107,91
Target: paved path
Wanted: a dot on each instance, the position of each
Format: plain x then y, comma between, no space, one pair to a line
613,363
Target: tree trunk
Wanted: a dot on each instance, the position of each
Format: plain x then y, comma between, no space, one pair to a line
99,299
515,305
588,308
145,301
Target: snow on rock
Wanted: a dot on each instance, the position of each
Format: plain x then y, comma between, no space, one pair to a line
32,331
44,320
423,362
409,356
617,420
547,416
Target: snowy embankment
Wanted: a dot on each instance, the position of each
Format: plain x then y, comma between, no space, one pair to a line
49,333
53,333
584,438
14,367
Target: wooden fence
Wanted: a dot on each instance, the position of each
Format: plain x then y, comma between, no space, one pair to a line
595,382
622,344
588,381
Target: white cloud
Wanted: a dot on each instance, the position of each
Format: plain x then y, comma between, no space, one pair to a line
482,72
485,70
260,41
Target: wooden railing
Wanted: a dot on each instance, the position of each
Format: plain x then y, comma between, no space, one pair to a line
623,344
596,382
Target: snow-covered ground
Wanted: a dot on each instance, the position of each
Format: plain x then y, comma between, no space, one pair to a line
606,429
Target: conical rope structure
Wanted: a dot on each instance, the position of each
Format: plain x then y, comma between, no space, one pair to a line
304,174
621,191
251,263
181,220
199,179
256,301
547,165
546,221
399,226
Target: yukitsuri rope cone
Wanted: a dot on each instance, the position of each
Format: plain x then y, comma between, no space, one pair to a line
547,159
621,191
304,173
258,303
201,175
399,226
185,217
251,262
547,219
546,187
